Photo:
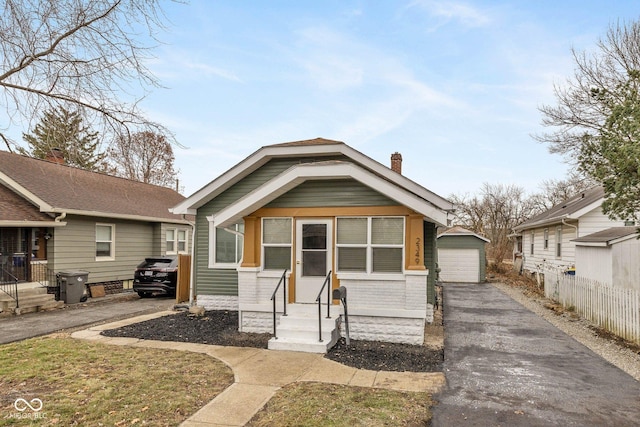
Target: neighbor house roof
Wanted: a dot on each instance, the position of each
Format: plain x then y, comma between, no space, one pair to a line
319,148
15,211
569,209
460,231
608,236
56,188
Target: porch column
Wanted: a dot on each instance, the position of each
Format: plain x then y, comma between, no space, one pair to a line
414,250
251,248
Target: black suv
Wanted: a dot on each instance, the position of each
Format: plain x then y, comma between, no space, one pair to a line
156,276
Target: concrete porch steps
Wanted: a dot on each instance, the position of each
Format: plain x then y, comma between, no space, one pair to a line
298,331
32,298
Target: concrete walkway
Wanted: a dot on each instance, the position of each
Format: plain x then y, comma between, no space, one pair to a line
506,366
260,373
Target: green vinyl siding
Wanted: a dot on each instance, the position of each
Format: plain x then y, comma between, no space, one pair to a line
430,259
341,192
75,247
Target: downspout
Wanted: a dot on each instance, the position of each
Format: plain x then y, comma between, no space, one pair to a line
60,217
570,225
192,288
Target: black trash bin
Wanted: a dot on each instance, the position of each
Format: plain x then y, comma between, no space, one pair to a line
72,285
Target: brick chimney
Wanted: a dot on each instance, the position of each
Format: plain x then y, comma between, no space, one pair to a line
55,155
396,162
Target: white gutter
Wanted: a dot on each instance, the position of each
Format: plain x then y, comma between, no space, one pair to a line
112,215
32,224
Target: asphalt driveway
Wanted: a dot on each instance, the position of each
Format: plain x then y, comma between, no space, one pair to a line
16,328
506,366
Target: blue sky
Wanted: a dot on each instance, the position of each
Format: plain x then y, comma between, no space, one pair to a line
453,86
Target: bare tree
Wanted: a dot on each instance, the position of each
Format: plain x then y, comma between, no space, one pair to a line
144,156
596,118
554,191
493,214
79,54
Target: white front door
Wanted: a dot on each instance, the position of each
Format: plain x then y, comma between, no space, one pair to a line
313,257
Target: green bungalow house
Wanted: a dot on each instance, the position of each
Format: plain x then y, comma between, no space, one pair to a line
316,211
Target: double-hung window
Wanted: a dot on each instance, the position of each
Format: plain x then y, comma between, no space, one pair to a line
559,241
370,244
533,238
176,241
227,246
104,241
546,238
277,237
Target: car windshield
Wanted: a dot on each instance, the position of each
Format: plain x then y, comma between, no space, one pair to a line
156,263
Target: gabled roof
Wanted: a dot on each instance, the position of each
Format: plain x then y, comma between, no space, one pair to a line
459,231
570,209
607,237
318,147
55,188
300,173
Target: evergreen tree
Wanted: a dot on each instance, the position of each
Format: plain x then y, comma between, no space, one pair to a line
64,130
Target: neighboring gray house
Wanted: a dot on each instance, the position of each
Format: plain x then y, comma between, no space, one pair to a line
462,256
313,210
64,218
610,257
548,239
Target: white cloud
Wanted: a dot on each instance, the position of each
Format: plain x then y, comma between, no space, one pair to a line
446,11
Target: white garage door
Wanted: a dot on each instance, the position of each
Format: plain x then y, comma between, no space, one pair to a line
459,265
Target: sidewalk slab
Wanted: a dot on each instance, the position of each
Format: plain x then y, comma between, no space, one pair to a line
363,378
410,381
233,407
328,371
275,368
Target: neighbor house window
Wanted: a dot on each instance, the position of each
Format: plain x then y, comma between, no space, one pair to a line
228,245
546,238
276,243
533,235
370,245
104,241
176,241
559,241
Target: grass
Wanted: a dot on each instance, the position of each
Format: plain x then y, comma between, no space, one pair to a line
85,383
315,404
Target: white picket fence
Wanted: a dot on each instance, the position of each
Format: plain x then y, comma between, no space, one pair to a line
614,309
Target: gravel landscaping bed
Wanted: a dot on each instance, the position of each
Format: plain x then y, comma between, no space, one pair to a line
611,348
220,328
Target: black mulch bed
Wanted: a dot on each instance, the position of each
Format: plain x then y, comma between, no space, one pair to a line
221,328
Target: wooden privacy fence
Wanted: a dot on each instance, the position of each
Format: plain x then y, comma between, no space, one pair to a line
184,278
614,309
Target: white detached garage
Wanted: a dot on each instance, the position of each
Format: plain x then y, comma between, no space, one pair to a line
461,256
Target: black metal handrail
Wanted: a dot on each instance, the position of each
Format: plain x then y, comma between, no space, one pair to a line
10,287
327,280
283,279
42,274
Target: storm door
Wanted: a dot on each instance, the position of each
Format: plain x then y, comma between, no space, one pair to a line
313,257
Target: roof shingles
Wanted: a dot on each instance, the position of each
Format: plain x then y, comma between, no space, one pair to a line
67,188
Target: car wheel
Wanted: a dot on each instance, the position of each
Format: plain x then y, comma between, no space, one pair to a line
144,294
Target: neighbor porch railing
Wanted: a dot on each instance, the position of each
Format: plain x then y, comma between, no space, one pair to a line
9,285
327,281
283,282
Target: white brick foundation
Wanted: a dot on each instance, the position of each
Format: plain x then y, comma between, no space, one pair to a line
389,329
218,302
